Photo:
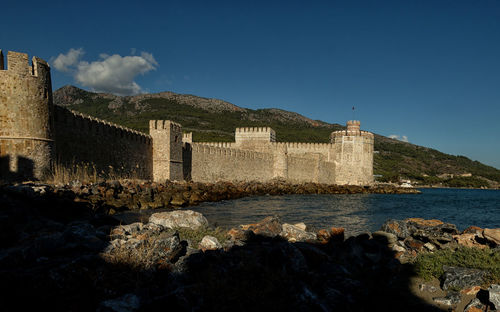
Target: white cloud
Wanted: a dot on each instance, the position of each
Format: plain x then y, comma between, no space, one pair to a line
403,138
111,73
64,62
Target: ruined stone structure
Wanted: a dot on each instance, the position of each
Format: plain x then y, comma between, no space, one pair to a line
35,135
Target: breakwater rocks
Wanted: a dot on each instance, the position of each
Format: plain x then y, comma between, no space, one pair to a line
112,196
86,262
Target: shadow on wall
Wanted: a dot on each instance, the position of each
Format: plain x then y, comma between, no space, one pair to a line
24,172
187,160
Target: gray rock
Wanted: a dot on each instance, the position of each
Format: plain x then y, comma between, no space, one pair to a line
209,243
396,227
427,288
475,305
494,295
180,218
295,234
126,303
460,278
450,299
386,237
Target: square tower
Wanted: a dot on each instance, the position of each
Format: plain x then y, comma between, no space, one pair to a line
167,150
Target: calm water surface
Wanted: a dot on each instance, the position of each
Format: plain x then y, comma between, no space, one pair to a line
360,212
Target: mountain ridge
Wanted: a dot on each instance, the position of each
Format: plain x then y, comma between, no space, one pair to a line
215,120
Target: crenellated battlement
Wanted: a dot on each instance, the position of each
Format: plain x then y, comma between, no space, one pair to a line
164,125
308,146
98,126
255,130
252,135
217,144
187,137
17,63
229,152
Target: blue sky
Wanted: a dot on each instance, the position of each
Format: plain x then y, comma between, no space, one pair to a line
425,71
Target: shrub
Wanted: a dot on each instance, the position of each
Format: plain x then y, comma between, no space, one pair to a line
428,265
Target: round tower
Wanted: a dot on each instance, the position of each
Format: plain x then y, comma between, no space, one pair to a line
26,127
353,150
353,127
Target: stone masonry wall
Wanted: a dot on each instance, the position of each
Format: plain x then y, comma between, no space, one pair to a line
167,150
353,156
84,140
26,127
211,164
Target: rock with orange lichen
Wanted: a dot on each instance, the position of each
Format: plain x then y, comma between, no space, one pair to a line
492,235
270,227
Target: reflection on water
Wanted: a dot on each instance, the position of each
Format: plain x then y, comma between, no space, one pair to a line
360,212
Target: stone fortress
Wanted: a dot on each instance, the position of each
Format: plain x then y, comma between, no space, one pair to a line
35,135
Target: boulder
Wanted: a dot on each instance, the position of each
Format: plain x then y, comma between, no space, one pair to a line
475,306
177,219
385,237
460,278
422,223
473,230
469,240
240,235
301,225
270,227
494,295
452,298
295,234
396,227
337,234
209,243
492,235
128,229
323,236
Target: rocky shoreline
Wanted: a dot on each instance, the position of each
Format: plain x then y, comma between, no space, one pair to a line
59,251
110,197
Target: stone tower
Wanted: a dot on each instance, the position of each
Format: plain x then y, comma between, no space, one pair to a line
254,138
353,151
167,150
26,126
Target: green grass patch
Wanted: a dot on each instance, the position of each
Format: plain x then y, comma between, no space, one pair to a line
194,237
429,265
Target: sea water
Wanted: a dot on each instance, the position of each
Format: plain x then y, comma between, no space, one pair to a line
359,213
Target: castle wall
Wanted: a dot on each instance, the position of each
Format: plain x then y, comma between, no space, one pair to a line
26,125
86,140
34,134
210,164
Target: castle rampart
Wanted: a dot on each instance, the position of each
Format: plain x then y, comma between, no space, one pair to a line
35,134
212,163
107,147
